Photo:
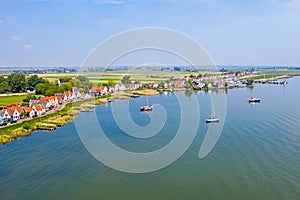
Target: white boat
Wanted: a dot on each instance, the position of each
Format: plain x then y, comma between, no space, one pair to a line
254,100
212,119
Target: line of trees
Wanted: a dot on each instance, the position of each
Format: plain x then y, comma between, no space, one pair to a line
19,83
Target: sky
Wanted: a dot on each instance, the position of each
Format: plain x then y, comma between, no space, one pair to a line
233,32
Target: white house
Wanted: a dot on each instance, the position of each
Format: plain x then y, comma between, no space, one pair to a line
29,112
39,110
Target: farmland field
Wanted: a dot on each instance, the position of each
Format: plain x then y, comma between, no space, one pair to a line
143,76
7,100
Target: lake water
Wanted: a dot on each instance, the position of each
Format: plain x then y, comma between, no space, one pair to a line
256,157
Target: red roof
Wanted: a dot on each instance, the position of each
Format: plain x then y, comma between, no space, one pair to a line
97,89
59,98
10,111
68,94
18,108
28,109
39,107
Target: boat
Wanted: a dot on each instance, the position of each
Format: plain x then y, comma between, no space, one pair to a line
134,96
254,100
146,108
212,119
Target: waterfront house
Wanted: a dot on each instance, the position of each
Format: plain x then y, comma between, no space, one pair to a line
133,86
29,112
59,99
98,91
67,96
33,102
112,89
14,113
5,115
76,93
179,83
120,87
47,102
39,110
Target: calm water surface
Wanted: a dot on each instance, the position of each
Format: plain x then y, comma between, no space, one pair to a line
256,157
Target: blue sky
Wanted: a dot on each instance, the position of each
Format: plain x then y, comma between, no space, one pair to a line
63,32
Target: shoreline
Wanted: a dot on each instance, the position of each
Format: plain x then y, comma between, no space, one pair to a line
49,122
69,111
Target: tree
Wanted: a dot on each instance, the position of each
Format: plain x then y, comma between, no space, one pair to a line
32,81
65,79
16,82
82,82
126,79
82,78
28,97
42,87
226,84
188,84
66,87
250,81
4,87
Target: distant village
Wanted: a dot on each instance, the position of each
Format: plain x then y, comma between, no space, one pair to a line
45,104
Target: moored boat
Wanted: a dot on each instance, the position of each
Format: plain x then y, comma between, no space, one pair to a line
212,120
145,108
134,96
254,100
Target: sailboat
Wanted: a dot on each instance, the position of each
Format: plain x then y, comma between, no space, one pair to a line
213,119
146,108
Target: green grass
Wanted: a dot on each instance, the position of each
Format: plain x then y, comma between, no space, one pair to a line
7,100
31,123
143,76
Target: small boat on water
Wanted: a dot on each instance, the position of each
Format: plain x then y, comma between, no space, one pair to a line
212,120
145,108
135,96
254,100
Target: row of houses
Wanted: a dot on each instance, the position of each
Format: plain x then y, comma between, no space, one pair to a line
15,112
40,106
103,90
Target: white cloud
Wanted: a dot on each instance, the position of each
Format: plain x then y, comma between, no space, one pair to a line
28,46
16,38
1,22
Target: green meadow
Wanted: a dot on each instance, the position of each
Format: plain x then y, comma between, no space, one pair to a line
143,76
7,100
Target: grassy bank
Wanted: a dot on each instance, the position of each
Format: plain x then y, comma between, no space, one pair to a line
50,121
25,128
